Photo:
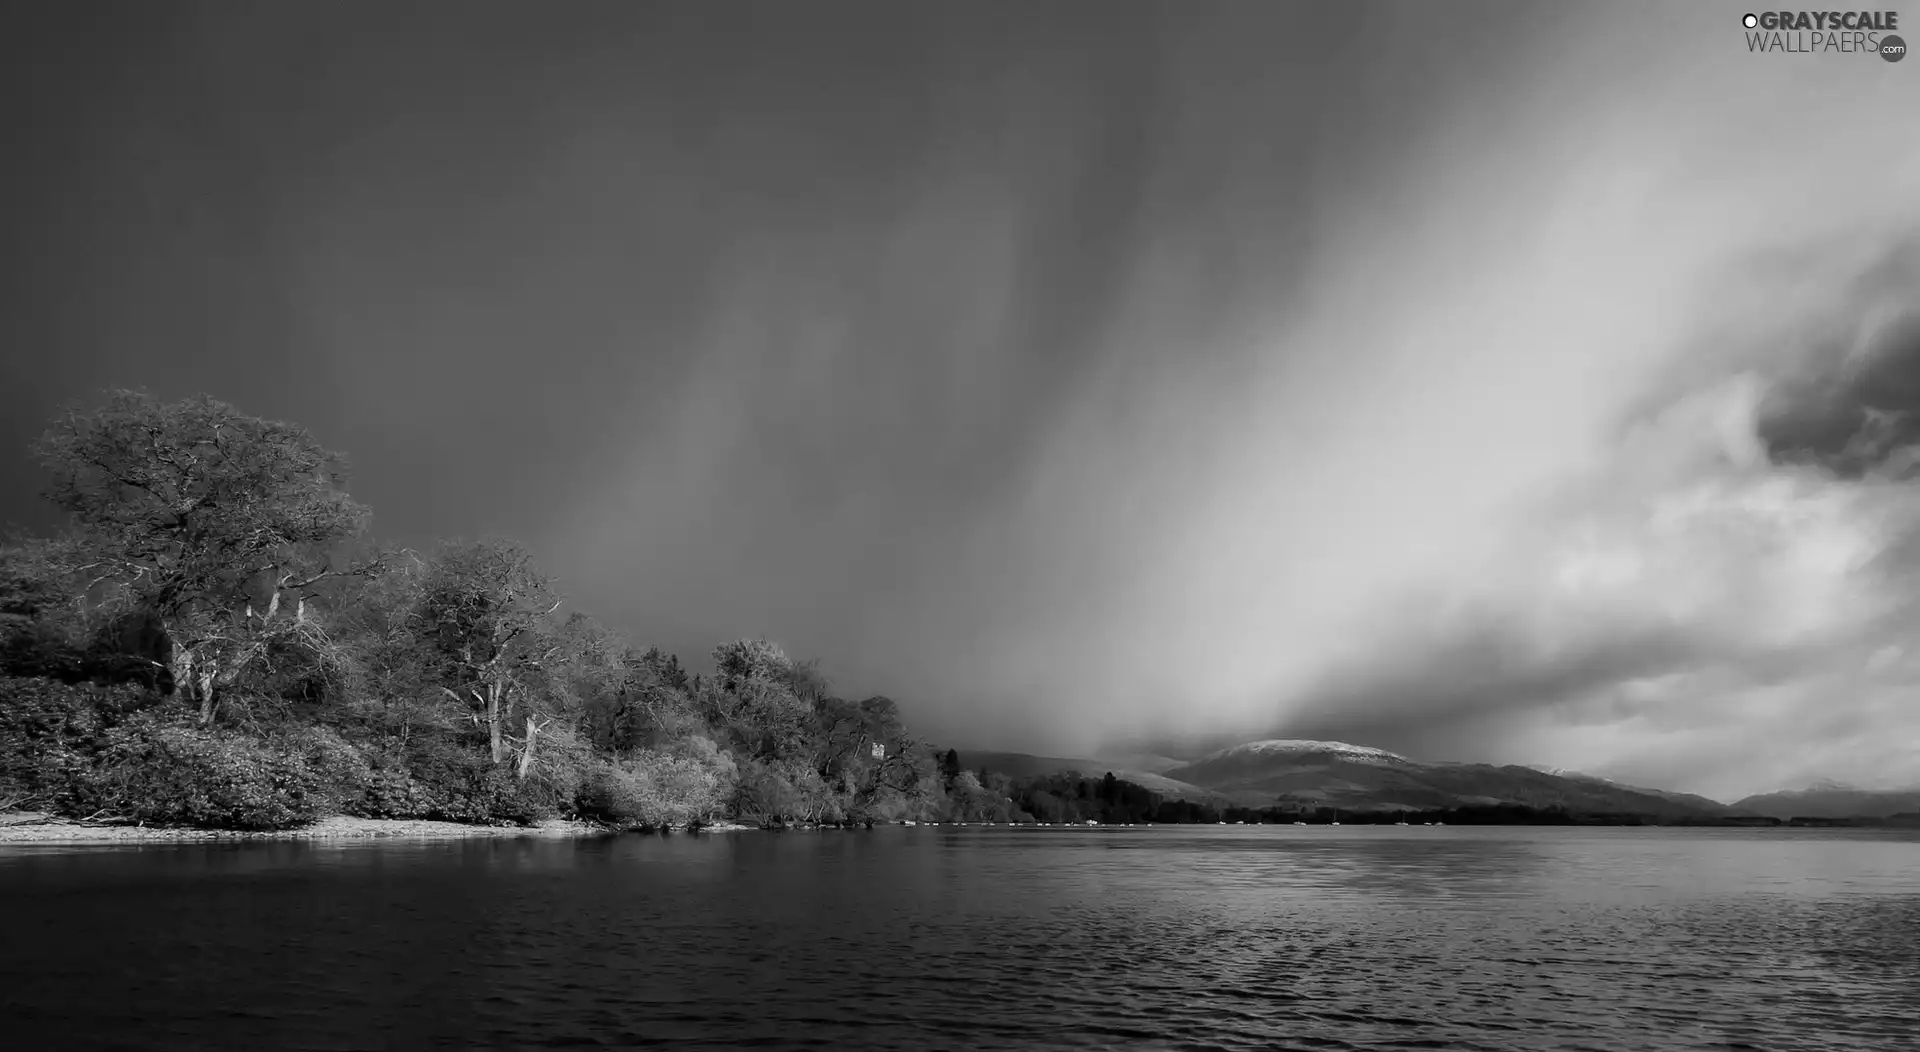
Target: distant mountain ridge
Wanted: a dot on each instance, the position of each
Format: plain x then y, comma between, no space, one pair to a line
1303,747
1024,765
1310,773
1359,777
1689,798
1826,799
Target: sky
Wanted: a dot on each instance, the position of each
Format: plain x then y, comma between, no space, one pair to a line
1496,382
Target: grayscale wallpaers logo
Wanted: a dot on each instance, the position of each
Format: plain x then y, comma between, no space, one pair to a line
1826,32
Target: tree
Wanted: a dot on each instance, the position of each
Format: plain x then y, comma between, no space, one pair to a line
211,521
851,734
746,660
40,626
218,557
863,749
593,671
629,700
900,780
970,801
487,613
389,664
666,669
807,682
751,698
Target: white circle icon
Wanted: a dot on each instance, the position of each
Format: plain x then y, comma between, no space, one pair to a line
1750,21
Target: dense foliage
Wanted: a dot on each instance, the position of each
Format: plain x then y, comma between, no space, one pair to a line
214,641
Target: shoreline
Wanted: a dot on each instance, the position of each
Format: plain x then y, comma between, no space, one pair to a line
52,831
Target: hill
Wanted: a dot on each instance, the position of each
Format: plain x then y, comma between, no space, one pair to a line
1688,799
1831,800
1356,777
1141,761
1026,765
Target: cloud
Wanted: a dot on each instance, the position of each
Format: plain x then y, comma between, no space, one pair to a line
1502,381
1509,423
1738,574
1616,478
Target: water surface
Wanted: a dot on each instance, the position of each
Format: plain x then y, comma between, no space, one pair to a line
1616,940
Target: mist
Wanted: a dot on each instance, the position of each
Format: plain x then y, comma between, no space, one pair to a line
1487,383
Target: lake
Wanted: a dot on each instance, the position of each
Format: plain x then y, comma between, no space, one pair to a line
1172,937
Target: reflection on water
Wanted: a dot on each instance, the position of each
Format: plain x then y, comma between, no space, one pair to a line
1170,937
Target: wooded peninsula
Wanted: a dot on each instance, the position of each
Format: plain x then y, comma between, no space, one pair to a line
214,641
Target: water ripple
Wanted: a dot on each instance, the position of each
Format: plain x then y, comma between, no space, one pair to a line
1217,939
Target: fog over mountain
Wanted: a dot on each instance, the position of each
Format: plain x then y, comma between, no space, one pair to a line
1504,383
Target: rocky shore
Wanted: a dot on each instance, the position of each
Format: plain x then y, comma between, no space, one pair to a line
29,828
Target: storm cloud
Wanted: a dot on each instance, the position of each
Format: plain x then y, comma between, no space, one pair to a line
1737,570
1494,381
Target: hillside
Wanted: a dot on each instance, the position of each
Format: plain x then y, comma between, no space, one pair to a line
1141,761
1026,765
1829,800
1337,774
1688,799
1293,772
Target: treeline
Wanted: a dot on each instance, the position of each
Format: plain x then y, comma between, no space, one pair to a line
214,640
1076,799
1906,820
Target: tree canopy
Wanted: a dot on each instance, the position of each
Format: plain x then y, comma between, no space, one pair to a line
215,616
205,519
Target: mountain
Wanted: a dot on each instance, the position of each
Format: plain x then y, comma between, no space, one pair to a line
1142,761
1357,777
1026,765
1833,800
1171,788
1292,761
1689,799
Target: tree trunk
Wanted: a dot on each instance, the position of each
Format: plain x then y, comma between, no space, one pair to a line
494,730
526,754
208,703
193,678
180,664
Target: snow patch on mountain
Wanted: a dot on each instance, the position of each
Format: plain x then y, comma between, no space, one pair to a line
1563,772
1301,747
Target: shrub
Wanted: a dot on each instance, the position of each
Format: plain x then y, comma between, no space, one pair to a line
390,792
656,789
342,771
50,732
765,794
611,793
693,782
172,774
499,796
446,780
563,759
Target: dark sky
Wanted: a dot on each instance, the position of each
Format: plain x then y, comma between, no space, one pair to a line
1072,372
